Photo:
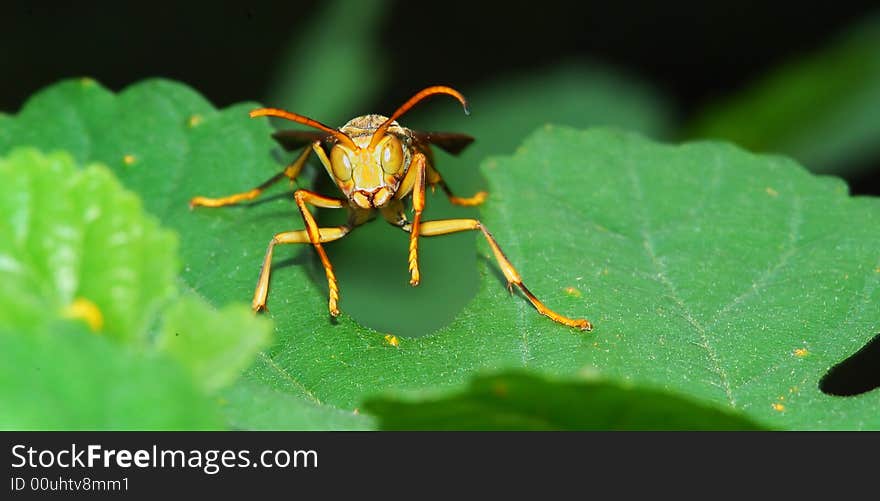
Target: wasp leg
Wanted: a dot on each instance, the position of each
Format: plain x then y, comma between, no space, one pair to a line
447,226
434,178
289,237
302,198
291,171
418,196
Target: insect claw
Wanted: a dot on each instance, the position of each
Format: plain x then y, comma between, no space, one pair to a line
584,325
260,308
510,288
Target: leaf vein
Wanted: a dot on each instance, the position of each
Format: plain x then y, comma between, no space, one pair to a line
663,275
289,378
794,224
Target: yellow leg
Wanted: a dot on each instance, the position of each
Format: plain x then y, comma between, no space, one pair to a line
289,237
418,196
291,171
446,226
302,198
434,178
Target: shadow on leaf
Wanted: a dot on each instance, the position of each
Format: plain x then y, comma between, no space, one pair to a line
859,373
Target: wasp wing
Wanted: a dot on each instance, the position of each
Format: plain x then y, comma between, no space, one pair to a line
451,142
292,140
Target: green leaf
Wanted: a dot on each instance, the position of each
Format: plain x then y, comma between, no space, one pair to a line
336,65
732,279
60,376
78,235
521,401
505,110
821,109
70,237
251,405
215,345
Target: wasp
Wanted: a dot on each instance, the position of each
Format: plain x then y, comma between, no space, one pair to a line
377,164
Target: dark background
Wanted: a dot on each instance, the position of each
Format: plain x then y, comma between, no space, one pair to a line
691,51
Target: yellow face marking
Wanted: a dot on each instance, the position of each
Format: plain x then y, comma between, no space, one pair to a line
129,159
366,174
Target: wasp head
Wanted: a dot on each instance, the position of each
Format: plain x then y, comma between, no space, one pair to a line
371,153
370,169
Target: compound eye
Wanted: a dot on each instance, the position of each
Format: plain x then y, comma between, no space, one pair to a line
340,163
391,156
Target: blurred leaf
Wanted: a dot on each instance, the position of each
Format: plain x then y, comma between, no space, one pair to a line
60,376
335,65
521,401
215,345
508,108
821,109
252,405
74,234
730,279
